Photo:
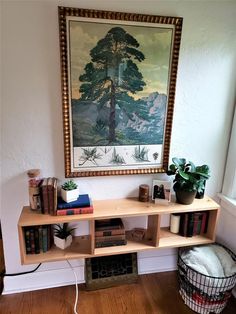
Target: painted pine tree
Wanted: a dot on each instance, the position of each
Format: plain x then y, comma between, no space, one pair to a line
112,77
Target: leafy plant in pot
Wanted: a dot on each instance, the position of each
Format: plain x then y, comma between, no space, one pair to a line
63,235
69,191
189,179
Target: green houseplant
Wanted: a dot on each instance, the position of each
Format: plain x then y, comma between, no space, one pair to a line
63,235
189,179
69,191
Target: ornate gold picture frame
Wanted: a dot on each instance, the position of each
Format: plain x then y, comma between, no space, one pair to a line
118,73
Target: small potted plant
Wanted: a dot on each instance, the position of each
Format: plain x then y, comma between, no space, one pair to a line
189,179
69,191
63,235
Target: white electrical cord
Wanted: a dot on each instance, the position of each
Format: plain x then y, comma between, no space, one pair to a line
76,288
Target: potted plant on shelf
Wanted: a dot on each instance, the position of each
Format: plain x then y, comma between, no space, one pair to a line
69,191
63,235
189,179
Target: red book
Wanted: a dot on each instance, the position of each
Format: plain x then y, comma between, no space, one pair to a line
204,222
75,211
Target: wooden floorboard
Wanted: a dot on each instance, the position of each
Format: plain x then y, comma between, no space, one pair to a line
153,293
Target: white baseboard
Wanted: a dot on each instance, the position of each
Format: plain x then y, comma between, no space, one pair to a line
148,262
42,280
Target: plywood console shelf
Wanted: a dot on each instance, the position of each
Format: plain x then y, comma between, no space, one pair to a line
83,246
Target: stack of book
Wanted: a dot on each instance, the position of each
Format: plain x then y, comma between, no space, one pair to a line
81,206
38,239
48,194
193,223
109,232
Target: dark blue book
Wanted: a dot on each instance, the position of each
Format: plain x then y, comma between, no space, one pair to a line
82,201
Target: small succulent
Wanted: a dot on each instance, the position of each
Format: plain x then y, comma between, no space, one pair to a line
62,231
69,185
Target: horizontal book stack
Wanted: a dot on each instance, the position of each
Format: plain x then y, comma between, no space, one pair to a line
48,195
193,223
81,206
38,239
109,232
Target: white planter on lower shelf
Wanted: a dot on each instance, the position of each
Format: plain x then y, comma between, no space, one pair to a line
69,196
63,243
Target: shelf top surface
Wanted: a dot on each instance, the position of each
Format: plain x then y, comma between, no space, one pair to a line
118,208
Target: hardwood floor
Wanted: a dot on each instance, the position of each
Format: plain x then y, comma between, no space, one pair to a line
153,293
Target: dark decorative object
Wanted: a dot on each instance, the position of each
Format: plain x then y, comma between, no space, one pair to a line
143,193
189,179
108,271
117,109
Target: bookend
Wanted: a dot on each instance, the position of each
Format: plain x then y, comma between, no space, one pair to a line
109,271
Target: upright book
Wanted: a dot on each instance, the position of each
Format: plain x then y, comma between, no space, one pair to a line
44,196
183,224
52,195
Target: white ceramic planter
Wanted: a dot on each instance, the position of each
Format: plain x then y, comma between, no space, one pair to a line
69,196
63,243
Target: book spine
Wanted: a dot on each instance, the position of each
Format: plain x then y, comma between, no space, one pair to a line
45,239
55,197
106,233
183,225
196,223
51,198
69,206
49,237
199,225
110,243
36,240
41,198
204,222
82,201
190,224
32,242
27,241
45,199
40,238
75,211
108,225
111,238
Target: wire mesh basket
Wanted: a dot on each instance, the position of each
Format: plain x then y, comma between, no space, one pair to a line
204,294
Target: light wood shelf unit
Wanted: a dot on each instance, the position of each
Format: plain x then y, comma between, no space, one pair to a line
157,237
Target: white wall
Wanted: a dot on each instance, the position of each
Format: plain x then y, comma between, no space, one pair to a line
31,120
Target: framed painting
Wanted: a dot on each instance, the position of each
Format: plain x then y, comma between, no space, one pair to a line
118,73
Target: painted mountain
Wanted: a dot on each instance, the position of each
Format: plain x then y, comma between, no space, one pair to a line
141,123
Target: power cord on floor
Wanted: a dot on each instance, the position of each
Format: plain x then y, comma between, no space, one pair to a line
76,288
3,274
